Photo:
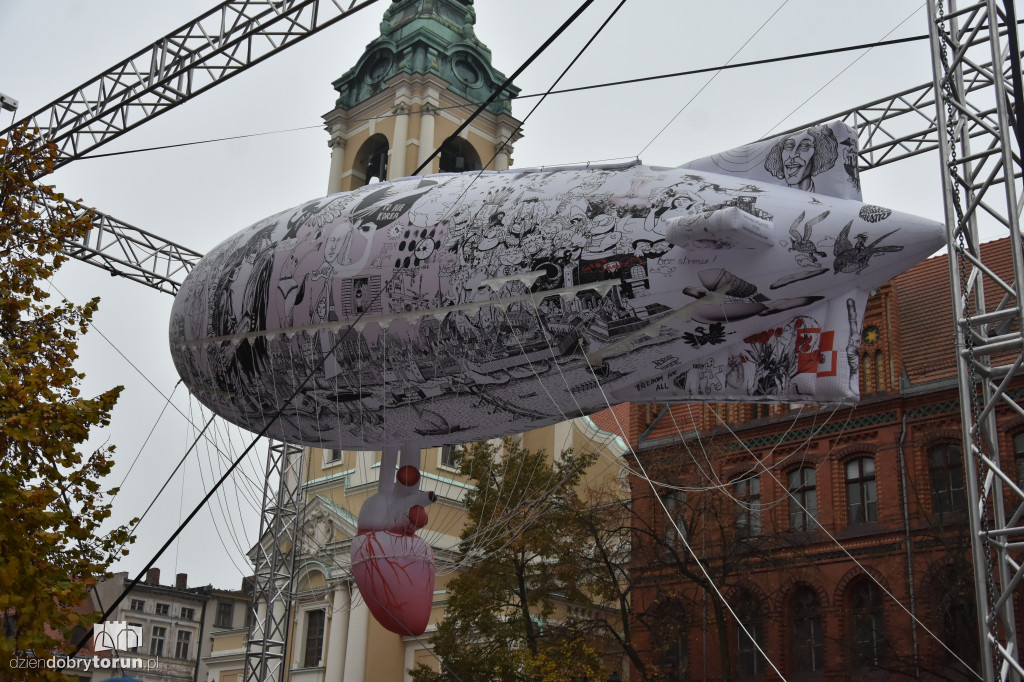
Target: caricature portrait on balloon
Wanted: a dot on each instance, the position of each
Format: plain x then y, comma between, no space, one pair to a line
454,308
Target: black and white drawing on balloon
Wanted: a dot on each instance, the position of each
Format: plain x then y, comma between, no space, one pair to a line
485,287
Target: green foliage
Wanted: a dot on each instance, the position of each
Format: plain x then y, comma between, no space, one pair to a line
51,548
520,522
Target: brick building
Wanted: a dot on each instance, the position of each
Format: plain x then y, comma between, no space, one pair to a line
790,507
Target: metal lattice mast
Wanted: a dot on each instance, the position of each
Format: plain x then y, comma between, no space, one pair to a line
980,150
266,648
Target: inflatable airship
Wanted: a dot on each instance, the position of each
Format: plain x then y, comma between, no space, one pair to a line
459,307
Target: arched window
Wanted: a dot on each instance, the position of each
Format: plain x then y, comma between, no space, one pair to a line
803,500
880,372
807,642
946,467
313,644
372,160
675,505
861,495
867,374
749,636
747,492
458,156
867,628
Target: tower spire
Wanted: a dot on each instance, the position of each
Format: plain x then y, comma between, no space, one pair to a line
407,91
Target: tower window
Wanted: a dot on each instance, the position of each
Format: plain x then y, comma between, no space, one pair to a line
458,156
372,159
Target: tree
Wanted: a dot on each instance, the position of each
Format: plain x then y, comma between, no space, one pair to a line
603,576
500,622
51,502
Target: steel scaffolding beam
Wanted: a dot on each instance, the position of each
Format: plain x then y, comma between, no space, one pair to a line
208,50
980,144
266,648
127,251
900,125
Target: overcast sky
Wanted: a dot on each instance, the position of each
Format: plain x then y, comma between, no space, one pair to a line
201,194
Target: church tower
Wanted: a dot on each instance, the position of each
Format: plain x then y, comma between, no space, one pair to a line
411,89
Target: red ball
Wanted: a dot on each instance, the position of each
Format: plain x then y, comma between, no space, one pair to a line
417,516
408,475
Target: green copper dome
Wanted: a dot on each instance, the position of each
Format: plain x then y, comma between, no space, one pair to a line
426,36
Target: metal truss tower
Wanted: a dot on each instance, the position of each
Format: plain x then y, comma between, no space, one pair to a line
266,649
980,136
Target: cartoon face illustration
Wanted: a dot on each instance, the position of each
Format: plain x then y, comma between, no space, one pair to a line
334,246
797,152
797,158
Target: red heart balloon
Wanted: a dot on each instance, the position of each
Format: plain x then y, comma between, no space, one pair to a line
395,574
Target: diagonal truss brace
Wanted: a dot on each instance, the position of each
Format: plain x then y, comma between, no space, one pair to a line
903,124
221,43
131,252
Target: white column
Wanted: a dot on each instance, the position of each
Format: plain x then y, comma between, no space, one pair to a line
398,169
337,145
426,136
355,651
504,153
410,661
338,637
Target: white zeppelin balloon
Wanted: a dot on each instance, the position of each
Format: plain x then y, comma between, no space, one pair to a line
458,307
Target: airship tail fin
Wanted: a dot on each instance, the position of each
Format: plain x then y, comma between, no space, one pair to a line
820,159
